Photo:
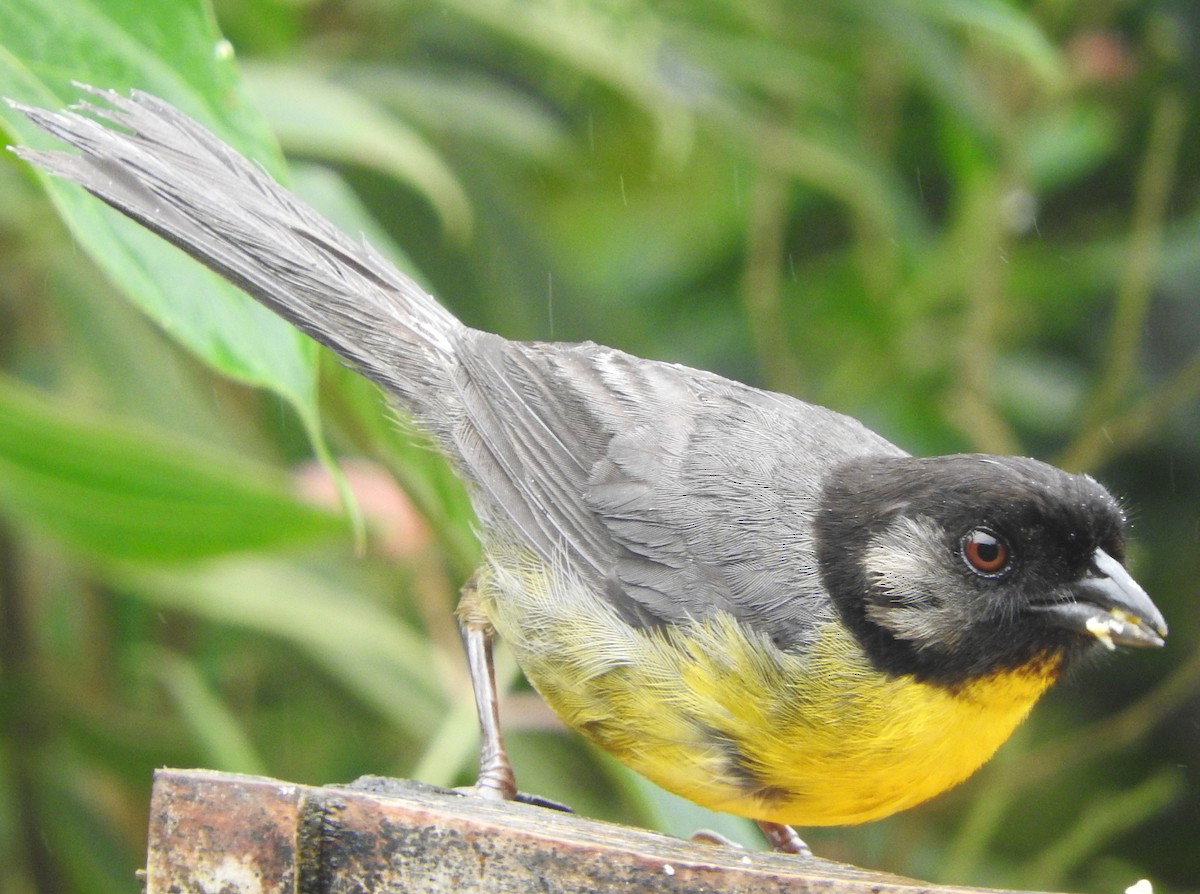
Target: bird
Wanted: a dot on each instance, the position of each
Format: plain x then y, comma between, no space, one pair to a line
756,602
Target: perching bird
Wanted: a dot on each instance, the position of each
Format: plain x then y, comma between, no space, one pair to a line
756,602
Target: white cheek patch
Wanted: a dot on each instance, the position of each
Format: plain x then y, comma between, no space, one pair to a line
914,598
908,558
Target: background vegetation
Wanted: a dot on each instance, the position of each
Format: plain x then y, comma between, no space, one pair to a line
974,224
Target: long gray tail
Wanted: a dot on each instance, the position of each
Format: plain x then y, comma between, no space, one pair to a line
176,178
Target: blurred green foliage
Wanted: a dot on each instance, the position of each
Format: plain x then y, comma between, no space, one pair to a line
974,224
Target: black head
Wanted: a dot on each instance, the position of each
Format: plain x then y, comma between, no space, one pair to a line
954,566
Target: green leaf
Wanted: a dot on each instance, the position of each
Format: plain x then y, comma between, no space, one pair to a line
1066,143
621,48
135,493
318,118
215,728
386,664
479,109
1004,25
171,49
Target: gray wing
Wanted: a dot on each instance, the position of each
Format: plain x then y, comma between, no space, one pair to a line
676,491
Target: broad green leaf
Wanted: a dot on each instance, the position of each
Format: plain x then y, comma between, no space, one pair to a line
174,50
135,493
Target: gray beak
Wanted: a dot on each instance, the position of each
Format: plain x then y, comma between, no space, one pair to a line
1110,605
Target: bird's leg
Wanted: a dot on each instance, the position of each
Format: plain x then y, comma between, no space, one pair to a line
783,838
496,779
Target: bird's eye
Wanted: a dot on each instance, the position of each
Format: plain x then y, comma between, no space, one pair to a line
985,552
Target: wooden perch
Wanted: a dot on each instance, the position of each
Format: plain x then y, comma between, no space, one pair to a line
218,833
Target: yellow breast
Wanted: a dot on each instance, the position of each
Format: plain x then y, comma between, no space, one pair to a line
723,718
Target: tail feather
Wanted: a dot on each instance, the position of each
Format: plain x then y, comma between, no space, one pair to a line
179,180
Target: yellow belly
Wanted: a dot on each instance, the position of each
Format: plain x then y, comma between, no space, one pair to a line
728,721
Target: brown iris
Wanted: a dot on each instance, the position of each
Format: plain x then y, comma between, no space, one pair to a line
985,552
